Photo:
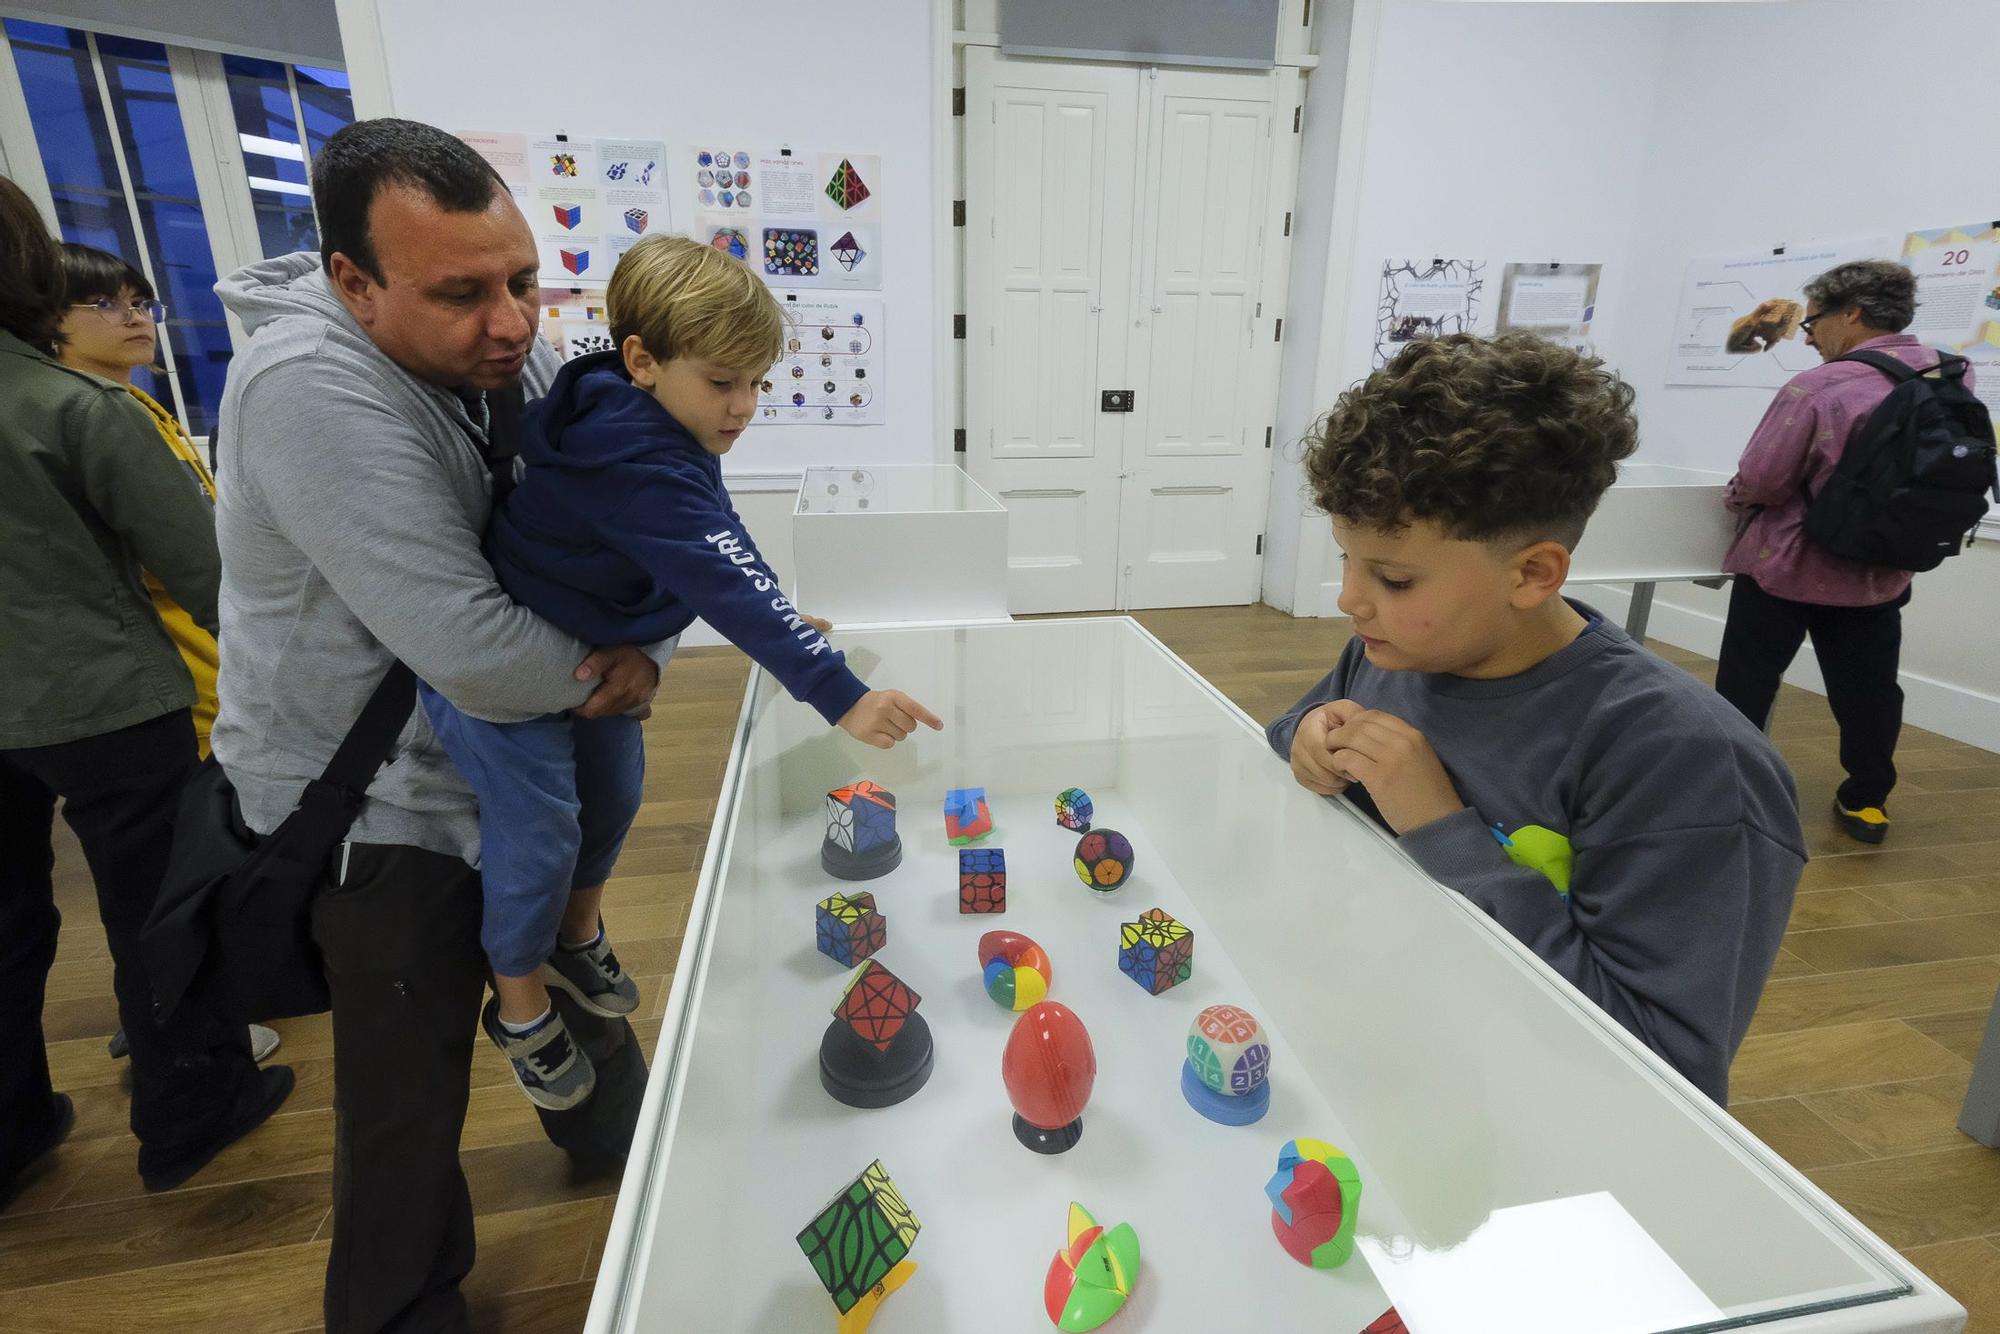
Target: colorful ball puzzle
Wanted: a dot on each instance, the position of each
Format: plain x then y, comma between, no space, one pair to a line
1104,859
1014,969
1073,809
1228,1062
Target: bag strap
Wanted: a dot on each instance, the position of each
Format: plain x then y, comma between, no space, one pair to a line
1897,370
503,437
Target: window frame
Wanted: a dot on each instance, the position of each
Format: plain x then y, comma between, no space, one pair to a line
222,183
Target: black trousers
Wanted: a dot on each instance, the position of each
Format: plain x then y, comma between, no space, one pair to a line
119,793
1857,648
399,931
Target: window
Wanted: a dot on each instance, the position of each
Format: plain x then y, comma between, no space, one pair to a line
111,119
269,101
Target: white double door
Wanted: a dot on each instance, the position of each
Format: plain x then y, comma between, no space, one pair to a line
1123,237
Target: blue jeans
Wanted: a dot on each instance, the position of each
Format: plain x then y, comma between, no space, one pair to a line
556,797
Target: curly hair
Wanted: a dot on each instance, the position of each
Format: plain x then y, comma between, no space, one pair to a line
1885,291
1511,437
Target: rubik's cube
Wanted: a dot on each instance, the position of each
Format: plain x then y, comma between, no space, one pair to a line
636,219
1156,951
966,818
849,929
863,1234
576,261
982,880
846,188
568,216
860,817
876,1005
791,252
848,251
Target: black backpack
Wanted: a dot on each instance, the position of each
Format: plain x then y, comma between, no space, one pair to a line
1911,485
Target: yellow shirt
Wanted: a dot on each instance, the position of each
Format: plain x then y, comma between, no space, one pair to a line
197,645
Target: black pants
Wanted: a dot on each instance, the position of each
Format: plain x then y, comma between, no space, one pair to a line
399,931
1857,648
119,793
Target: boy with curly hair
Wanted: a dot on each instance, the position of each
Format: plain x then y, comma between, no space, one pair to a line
1614,814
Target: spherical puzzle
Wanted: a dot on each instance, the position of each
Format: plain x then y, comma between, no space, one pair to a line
1227,1064
1015,970
1073,809
1104,859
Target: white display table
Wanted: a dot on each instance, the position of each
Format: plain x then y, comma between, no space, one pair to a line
1656,523
1528,1166
899,545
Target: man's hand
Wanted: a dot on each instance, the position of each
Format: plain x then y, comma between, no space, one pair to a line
824,627
1312,758
1395,763
626,680
884,717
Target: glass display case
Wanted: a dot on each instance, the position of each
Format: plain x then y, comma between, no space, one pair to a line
907,544
1526,1165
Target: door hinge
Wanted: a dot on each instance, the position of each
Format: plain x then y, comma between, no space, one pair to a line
1278,330
958,326
1267,437
1296,113
958,212
1260,544
958,101
1288,224
1307,21
958,442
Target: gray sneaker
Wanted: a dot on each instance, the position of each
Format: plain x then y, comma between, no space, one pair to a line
548,1065
592,977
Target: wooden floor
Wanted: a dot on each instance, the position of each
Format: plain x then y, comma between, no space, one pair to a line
1854,1068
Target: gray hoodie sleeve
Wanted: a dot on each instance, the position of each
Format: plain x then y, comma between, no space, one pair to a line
360,493
1328,688
1698,892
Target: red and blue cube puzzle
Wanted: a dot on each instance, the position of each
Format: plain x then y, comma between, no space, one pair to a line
1156,951
636,219
982,880
568,216
576,261
966,818
849,929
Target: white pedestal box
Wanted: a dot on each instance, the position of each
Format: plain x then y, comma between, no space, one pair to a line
1656,523
899,545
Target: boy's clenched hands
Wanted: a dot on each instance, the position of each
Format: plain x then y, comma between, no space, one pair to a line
1343,742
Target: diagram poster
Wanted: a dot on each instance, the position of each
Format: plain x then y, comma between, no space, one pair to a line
805,220
1738,322
831,373
587,201
1958,293
1423,298
1556,300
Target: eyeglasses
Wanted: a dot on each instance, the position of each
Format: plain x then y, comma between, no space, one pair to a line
113,311
1806,324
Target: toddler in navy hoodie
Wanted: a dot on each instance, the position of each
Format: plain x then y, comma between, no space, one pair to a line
621,532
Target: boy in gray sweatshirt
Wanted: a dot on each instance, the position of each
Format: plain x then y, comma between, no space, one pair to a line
1613,813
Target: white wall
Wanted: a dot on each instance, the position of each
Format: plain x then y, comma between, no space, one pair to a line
1502,131
1645,135
1729,169
695,73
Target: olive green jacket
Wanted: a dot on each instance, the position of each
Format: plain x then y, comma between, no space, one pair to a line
87,498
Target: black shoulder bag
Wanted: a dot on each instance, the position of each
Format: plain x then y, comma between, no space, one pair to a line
233,919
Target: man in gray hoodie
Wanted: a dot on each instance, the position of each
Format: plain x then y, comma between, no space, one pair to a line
354,486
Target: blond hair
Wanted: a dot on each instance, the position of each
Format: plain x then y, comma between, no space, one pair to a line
686,299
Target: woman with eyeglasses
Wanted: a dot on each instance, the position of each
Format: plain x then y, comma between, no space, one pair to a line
110,329
94,710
